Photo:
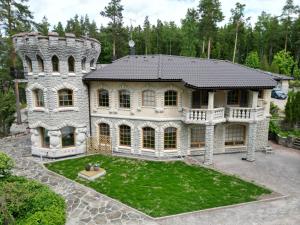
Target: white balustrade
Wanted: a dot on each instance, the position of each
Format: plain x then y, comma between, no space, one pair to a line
203,115
244,114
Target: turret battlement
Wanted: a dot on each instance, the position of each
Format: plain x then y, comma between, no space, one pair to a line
35,49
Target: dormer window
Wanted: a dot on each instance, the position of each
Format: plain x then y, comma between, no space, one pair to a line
29,64
55,64
40,64
92,63
83,62
71,64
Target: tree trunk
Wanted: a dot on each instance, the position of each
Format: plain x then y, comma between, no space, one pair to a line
208,48
114,48
286,40
203,47
235,42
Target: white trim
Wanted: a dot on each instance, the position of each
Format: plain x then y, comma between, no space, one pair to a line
65,85
102,120
31,98
137,117
178,134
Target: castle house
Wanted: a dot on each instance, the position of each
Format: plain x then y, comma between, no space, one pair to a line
156,105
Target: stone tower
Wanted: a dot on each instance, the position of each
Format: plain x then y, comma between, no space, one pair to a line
57,98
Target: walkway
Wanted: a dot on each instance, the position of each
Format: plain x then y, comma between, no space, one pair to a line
85,206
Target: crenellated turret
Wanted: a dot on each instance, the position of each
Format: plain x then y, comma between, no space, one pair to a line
35,50
57,99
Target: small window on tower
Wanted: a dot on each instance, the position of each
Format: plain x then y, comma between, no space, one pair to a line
83,62
55,64
71,64
40,64
29,64
92,63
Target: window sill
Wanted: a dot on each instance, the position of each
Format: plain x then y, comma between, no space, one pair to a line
197,149
72,74
56,74
64,109
41,74
148,150
235,146
84,71
93,68
170,150
39,109
30,73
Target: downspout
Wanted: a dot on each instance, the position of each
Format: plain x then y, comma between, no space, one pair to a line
89,100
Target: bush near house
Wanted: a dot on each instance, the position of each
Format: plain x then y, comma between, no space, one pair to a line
27,202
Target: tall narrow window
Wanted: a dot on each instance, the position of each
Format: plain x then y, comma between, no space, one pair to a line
29,64
92,63
197,136
103,98
170,138
125,135
39,98
148,98
40,64
45,138
171,98
55,64
83,64
235,135
68,136
71,64
148,138
124,99
65,97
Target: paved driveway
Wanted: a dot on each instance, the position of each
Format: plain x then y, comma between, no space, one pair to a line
279,171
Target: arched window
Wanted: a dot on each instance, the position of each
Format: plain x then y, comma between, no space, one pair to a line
55,63
103,98
45,138
83,63
39,98
235,135
125,135
171,98
29,64
92,63
68,136
148,97
71,64
148,138
124,99
170,138
40,63
65,97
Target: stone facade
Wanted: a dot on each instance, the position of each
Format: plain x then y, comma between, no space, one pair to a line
51,116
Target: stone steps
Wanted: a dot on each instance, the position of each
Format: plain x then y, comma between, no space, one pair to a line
268,150
296,143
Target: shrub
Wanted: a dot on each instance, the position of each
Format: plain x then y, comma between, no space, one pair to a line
292,107
6,164
30,203
274,110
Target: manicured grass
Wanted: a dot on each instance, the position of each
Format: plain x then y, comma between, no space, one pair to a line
161,188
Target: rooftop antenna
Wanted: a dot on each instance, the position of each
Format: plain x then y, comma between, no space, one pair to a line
131,42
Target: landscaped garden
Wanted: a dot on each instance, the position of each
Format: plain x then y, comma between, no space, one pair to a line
161,188
27,202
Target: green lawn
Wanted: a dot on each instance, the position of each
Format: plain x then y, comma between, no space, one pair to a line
161,188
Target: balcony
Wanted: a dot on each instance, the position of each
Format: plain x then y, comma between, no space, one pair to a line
202,116
242,114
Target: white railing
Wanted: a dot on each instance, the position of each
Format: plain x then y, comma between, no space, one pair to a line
244,114
203,115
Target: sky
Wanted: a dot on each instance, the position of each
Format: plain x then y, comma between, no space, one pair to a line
136,10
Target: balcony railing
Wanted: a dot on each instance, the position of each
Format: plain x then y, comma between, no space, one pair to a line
241,114
203,115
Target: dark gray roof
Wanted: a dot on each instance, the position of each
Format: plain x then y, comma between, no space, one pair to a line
278,77
193,72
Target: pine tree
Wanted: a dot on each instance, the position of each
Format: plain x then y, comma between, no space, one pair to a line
210,14
114,12
59,29
43,27
147,33
252,60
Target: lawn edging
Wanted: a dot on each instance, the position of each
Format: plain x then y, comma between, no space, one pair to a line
92,190
223,207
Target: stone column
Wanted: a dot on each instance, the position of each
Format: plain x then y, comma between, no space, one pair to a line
251,142
55,139
254,99
209,144
211,96
81,139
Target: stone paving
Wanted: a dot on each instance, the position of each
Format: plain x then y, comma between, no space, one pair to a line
279,171
84,205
